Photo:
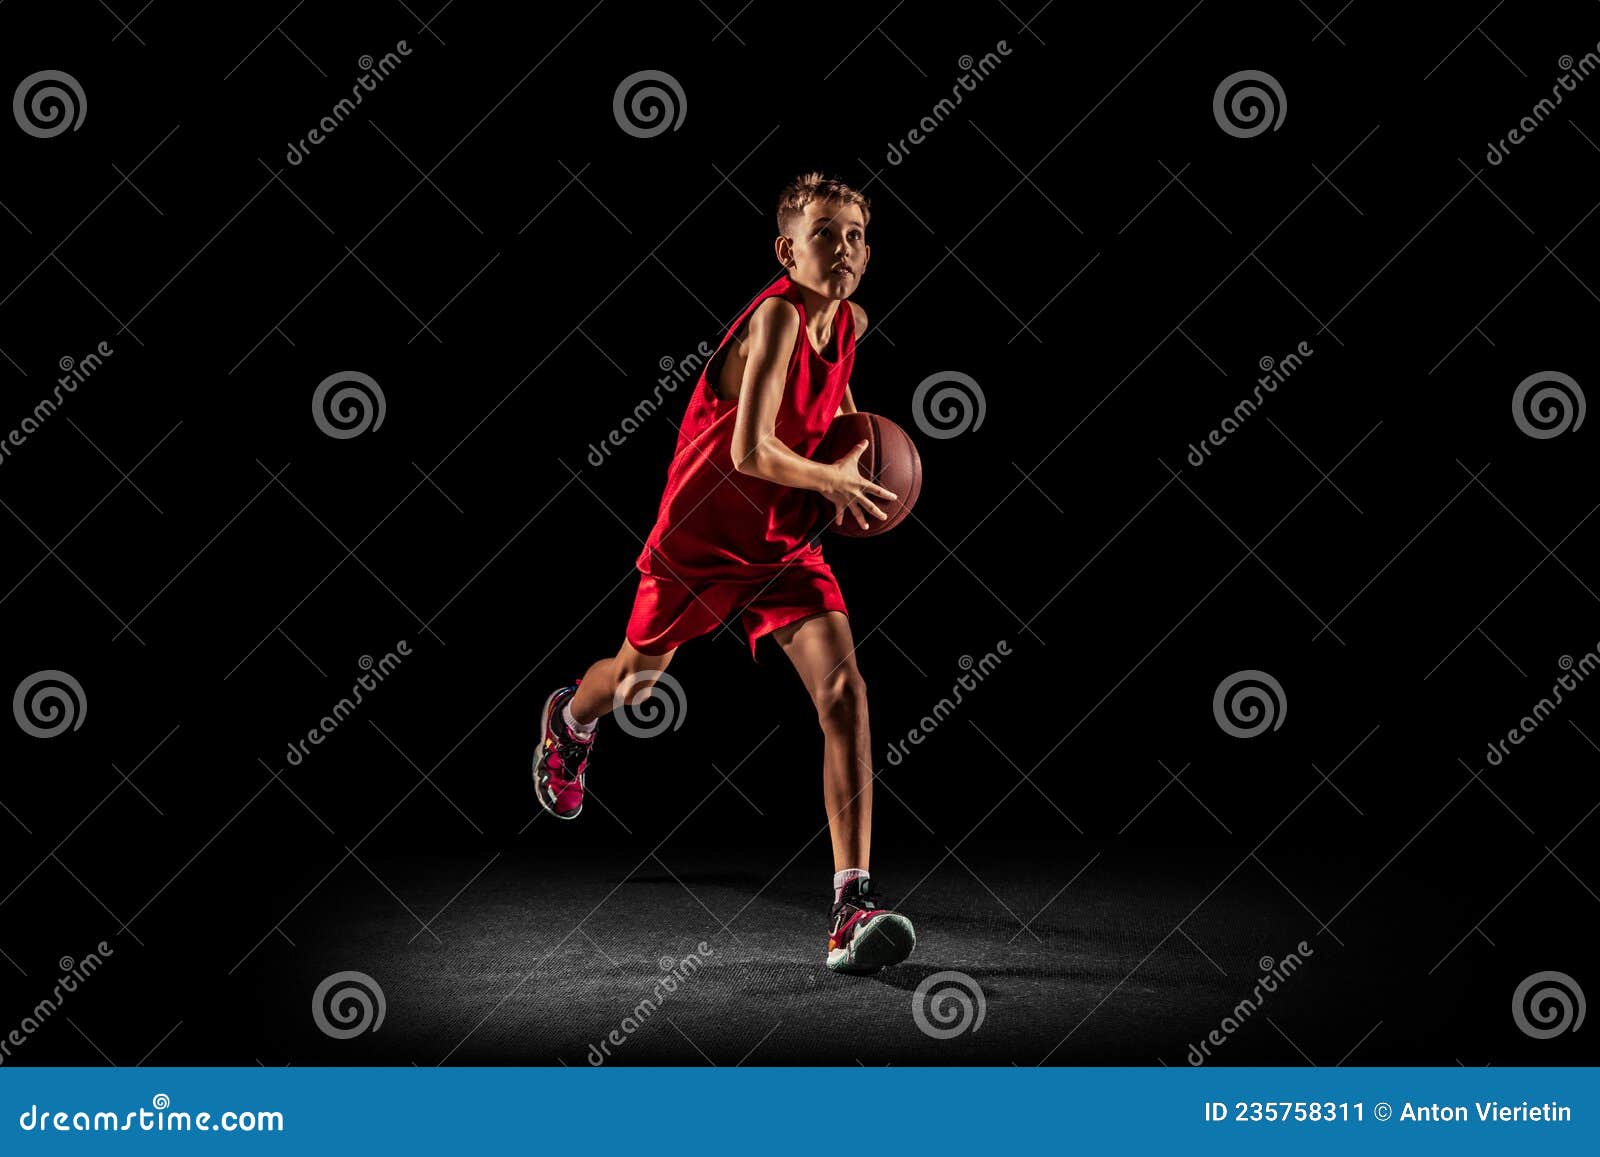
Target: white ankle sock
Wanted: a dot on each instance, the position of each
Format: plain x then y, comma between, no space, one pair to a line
844,876
578,729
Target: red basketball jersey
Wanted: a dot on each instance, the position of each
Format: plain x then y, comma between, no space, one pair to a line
715,523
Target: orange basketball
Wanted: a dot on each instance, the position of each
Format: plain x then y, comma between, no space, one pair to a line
890,460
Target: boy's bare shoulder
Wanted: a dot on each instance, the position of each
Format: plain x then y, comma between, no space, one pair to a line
777,310
861,317
775,319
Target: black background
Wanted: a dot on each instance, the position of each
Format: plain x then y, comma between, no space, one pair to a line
486,189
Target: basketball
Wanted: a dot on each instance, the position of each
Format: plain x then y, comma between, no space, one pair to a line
890,460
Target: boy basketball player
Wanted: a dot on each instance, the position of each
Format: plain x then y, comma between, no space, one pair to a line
734,533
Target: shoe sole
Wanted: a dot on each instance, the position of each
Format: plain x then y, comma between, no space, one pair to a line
538,790
881,941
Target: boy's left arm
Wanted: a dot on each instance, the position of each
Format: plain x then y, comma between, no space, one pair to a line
848,406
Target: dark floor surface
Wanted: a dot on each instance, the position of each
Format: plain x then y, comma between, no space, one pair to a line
537,959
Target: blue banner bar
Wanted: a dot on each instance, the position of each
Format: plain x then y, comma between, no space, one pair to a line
807,1111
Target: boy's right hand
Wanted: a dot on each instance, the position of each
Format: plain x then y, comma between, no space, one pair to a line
851,491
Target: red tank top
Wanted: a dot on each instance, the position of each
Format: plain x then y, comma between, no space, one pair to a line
715,523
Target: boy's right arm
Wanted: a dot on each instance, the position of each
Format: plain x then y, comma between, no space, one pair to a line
773,330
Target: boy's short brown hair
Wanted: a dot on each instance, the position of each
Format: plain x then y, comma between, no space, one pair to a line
814,186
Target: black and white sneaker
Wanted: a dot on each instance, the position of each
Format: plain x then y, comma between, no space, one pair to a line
561,767
865,935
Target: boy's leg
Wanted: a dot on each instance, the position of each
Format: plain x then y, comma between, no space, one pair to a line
823,652
664,615
864,935
598,688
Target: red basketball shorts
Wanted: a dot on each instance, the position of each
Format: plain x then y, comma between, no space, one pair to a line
667,613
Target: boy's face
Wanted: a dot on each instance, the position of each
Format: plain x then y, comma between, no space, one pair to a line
826,249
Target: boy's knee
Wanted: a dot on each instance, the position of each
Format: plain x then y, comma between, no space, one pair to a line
634,664
842,699
634,673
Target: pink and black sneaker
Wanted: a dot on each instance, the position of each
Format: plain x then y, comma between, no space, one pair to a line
562,764
865,935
